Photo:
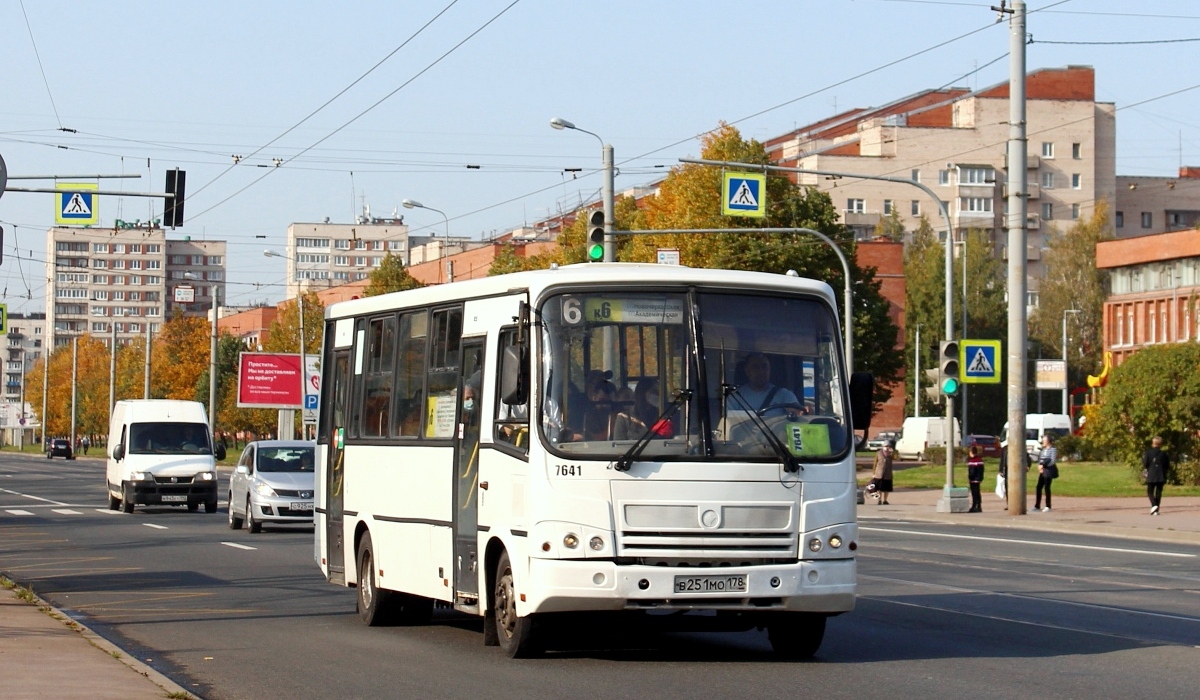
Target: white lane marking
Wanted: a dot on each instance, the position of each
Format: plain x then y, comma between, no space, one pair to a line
106,511
36,498
1040,599
156,527
1028,542
18,512
65,511
235,545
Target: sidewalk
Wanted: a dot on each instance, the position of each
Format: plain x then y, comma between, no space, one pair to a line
44,657
1114,517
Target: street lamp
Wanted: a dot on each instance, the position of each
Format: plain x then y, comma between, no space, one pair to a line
212,358
1066,388
412,204
606,189
303,358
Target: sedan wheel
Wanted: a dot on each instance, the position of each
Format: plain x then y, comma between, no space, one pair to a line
251,524
235,523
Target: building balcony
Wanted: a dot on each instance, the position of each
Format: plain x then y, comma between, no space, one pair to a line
860,218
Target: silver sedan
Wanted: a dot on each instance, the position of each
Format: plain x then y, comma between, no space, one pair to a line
272,484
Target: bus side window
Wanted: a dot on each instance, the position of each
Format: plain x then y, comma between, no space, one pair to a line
410,374
377,394
512,422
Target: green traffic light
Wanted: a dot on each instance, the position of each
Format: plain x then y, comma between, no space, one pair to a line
950,386
595,252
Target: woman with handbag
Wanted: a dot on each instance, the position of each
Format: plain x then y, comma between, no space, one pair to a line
1155,465
1047,473
881,475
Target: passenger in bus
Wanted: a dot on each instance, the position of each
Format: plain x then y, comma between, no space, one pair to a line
605,421
647,409
758,392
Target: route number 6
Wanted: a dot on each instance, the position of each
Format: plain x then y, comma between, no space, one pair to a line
572,312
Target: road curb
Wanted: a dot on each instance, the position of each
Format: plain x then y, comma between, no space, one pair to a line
169,687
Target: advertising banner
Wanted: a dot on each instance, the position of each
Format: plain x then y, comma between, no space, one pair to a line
268,380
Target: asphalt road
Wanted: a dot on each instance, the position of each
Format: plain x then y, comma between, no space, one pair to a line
943,611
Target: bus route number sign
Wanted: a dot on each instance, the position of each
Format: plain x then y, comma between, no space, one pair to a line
621,310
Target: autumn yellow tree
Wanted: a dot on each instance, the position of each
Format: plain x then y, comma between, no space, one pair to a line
91,389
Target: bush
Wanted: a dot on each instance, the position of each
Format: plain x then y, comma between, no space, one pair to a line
1078,448
937,455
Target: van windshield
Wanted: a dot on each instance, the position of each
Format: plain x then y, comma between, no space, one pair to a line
168,439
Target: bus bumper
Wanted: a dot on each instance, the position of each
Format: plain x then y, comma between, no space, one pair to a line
825,586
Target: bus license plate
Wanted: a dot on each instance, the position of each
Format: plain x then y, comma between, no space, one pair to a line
174,499
302,506
710,584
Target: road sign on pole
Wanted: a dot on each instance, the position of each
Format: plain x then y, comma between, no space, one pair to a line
980,361
744,194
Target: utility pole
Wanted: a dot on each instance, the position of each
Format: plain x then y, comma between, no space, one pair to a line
1017,202
45,392
146,373
74,386
917,375
112,372
212,369
606,193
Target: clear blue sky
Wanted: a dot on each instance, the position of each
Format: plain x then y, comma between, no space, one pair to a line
189,85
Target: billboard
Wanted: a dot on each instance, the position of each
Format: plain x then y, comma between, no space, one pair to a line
268,380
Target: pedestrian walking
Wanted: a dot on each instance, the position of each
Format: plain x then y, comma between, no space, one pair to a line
881,475
86,442
975,477
1047,473
1155,465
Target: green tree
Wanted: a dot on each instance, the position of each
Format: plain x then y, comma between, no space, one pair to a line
987,319
925,304
284,333
390,276
1071,281
1154,392
891,226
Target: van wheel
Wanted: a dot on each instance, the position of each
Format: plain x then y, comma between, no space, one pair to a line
193,507
114,503
126,498
252,525
515,634
210,506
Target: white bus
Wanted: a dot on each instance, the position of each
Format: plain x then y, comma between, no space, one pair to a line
591,438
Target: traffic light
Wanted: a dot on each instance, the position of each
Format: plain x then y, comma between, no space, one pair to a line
934,391
949,377
595,236
173,207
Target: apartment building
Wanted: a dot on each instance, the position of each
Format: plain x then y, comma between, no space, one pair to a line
101,280
1152,204
25,346
199,265
324,255
954,141
1154,293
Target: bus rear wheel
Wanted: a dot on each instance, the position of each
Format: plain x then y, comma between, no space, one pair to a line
514,634
374,605
796,636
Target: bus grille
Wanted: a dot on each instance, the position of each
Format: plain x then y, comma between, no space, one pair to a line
707,544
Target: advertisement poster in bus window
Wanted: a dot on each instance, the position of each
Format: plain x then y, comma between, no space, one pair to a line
440,414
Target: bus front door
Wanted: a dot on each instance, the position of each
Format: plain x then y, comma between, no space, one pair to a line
466,488
335,469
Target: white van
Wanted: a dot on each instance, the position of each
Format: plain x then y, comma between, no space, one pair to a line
161,453
1037,426
921,433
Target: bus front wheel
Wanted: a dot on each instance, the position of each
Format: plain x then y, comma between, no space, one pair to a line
514,634
796,636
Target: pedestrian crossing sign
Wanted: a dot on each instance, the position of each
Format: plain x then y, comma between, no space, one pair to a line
744,194
76,204
980,361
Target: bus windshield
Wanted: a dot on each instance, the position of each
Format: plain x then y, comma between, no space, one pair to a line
168,439
696,375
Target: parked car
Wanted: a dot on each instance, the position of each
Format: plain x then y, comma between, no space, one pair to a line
273,484
59,448
989,443
876,443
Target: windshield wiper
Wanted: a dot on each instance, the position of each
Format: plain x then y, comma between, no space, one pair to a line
635,450
790,463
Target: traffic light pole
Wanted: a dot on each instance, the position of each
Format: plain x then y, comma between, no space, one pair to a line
610,245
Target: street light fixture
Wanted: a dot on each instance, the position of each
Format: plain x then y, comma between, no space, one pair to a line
1066,388
303,338
413,204
606,189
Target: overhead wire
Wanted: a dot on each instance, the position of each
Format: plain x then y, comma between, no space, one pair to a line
41,68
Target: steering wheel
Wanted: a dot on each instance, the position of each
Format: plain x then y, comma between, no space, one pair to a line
798,407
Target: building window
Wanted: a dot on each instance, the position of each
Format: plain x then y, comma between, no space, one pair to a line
135,247
977,175
1047,211
916,207
99,247
179,259
118,248
1048,180
1120,328
360,244
118,264
197,260
395,245
1147,219
1076,181
360,261
1174,220
1166,332
153,265
975,204
1120,219
216,260
943,177
153,248
1152,330
1047,149
916,175
99,264
342,244
856,206
312,242
135,264
1077,151
1074,211
376,245
887,207
341,260
376,261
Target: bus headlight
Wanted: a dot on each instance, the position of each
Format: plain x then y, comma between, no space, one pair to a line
814,545
835,541
571,540
596,543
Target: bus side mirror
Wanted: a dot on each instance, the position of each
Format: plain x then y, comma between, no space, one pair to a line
862,394
219,451
119,452
514,375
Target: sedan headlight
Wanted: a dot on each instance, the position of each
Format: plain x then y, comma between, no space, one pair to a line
262,488
206,476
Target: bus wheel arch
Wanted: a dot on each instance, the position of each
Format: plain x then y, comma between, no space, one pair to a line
491,557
